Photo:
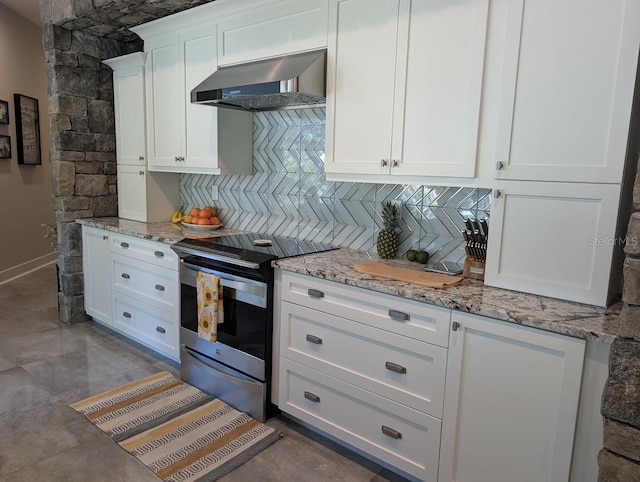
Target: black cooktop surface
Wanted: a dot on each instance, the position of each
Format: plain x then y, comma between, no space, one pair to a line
251,247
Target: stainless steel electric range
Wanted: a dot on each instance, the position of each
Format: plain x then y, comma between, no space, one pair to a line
237,367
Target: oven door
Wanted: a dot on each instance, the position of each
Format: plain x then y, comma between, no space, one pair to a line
242,338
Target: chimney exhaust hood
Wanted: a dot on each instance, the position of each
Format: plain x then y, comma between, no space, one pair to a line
291,81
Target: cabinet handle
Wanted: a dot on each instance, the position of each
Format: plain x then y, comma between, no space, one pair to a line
314,339
160,287
141,173
159,254
175,158
312,396
394,367
315,293
126,314
499,166
141,158
105,237
391,432
394,163
497,193
454,326
125,275
384,162
399,315
159,329
124,245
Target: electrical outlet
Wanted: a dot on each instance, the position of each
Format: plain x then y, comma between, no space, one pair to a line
214,192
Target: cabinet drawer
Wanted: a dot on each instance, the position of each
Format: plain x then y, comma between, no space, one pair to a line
154,328
391,313
405,370
149,283
150,251
409,440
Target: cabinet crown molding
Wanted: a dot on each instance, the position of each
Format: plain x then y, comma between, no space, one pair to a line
209,12
136,59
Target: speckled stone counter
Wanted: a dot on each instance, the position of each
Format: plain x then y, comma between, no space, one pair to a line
469,296
165,232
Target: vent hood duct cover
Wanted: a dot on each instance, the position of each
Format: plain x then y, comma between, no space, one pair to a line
294,80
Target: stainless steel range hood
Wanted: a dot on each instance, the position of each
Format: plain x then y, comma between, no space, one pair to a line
295,80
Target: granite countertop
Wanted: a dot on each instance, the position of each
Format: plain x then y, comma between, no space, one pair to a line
469,296
163,232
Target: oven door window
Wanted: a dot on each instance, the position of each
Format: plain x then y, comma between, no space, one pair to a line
245,324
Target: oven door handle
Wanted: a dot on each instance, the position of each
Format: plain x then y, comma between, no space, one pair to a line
259,290
221,371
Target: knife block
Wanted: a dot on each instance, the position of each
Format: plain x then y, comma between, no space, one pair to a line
473,269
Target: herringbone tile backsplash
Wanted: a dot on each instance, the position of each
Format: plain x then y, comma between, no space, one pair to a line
288,195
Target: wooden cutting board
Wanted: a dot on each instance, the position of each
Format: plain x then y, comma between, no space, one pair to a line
423,278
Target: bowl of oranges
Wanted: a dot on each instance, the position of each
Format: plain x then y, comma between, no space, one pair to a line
205,218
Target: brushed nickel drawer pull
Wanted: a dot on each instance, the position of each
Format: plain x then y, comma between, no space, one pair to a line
312,396
124,245
141,158
160,287
315,293
314,339
159,254
399,315
105,237
125,275
391,432
126,314
159,329
454,326
394,367
141,173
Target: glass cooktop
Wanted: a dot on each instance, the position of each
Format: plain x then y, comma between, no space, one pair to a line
248,248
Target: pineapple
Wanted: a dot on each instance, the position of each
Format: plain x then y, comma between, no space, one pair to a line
388,238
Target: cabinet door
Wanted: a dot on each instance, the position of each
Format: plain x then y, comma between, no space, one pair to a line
280,28
198,61
553,239
129,97
568,74
439,87
132,193
165,105
361,62
97,273
511,402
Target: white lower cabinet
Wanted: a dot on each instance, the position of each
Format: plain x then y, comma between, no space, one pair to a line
97,274
354,364
511,402
132,285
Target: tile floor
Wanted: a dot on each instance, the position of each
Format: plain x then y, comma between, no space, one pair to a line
45,365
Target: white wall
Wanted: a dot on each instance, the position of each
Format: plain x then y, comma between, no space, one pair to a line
25,191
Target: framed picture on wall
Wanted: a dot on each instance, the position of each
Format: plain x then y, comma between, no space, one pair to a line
5,147
27,129
4,112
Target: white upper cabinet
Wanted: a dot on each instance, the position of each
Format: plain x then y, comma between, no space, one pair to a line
404,86
567,79
184,137
553,239
128,90
278,28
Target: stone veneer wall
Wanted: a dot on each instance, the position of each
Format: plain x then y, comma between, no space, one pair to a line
83,158
619,460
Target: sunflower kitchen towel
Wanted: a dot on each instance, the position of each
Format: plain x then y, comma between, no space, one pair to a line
210,308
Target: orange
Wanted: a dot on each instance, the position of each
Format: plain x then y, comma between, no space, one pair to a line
195,212
204,213
214,220
204,221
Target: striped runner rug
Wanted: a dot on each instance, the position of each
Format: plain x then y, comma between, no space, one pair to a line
176,430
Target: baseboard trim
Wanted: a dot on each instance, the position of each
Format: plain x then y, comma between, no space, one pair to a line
29,267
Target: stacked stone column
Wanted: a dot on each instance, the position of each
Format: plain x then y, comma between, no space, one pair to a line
619,460
80,90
